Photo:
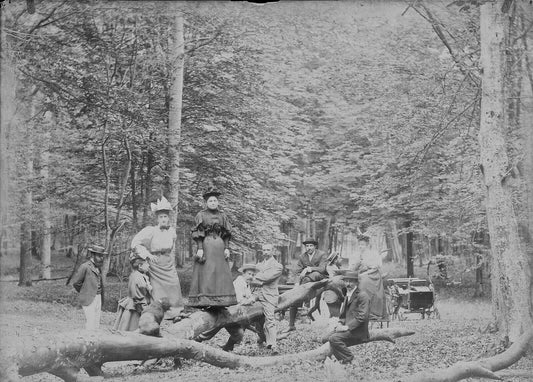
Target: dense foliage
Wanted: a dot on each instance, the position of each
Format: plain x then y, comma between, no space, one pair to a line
328,108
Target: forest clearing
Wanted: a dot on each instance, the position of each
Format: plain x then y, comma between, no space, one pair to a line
185,181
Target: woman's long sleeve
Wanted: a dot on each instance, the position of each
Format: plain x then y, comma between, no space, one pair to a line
141,242
198,231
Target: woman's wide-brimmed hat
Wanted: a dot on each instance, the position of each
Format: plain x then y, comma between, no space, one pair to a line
162,205
211,191
97,249
246,267
310,241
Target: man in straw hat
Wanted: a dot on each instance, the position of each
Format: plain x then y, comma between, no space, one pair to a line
244,297
269,272
352,328
89,284
311,267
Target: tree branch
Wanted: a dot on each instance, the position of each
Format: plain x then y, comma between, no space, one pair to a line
483,368
438,30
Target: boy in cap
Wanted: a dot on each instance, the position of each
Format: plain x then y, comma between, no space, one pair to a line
88,283
352,328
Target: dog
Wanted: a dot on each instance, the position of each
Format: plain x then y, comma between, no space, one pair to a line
152,316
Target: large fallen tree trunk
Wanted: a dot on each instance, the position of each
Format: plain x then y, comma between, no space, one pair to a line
483,368
66,356
202,321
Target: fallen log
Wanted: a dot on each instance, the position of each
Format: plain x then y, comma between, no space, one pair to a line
202,321
483,368
67,355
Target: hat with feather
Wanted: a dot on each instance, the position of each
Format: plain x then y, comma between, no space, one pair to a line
162,205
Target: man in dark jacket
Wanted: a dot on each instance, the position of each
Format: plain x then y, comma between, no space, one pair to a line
311,267
89,284
352,328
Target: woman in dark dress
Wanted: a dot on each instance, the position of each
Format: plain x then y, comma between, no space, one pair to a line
212,282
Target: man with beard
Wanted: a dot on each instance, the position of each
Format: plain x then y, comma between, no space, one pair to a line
89,284
311,267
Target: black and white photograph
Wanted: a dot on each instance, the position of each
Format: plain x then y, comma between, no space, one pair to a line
266,190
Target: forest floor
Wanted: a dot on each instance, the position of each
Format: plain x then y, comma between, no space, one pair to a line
47,308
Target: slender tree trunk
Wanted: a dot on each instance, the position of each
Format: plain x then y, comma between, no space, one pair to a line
395,243
147,185
25,278
174,116
46,238
134,205
510,267
325,235
409,258
107,177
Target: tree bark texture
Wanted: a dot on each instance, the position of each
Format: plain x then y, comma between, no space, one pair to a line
201,321
510,267
91,349
25,278
175,106
7,104
174,115
526,123
46,242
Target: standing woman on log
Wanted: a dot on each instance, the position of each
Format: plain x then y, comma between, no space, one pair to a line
212,283
156,244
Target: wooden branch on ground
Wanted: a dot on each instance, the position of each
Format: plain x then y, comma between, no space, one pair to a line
90,349
483,368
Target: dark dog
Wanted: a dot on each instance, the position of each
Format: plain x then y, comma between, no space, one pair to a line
152,316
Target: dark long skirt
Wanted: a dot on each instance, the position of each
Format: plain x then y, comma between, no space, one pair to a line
212,284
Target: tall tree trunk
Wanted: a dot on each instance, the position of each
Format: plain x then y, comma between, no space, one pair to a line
326,236
134,206
395,242
526,123
7,104
107,176
148,183
46,238
25,278
409,258
174,116
510,267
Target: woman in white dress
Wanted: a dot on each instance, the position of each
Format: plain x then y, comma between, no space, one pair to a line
156,243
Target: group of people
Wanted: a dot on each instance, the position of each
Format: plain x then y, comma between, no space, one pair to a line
154,277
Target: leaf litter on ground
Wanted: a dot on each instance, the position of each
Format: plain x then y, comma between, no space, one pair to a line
437,343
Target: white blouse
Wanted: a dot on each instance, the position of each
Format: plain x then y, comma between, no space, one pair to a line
152,239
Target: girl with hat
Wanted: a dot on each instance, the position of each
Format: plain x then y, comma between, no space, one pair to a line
211,284
139,296
156,245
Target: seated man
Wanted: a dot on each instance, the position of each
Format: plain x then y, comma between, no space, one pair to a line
244,297
311,267
352,328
